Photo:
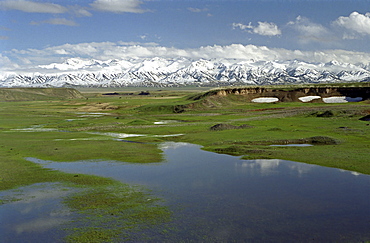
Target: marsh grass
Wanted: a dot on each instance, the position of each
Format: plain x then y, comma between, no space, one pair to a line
349,153
114,209
114,213
108,209
137,114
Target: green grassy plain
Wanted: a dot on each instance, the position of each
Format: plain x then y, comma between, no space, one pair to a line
88,128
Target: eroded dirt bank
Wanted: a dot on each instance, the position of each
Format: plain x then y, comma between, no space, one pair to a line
293,95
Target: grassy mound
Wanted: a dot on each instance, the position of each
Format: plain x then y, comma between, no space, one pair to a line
162,108
223,126
22,94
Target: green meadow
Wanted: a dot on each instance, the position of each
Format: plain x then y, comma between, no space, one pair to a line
87,127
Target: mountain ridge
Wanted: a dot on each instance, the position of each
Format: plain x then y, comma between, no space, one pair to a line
167,72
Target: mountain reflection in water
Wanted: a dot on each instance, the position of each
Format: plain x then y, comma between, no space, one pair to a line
221,198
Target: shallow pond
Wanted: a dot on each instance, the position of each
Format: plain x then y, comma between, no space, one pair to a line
221,198
34,213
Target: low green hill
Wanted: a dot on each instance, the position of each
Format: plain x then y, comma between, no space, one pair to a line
22,94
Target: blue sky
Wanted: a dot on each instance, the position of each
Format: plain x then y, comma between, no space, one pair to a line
29,29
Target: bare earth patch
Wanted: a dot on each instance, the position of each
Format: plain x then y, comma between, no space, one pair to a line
98,107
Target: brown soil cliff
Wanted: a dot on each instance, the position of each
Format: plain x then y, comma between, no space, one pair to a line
292,95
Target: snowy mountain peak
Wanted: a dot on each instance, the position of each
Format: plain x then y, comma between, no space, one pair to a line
159,71
72,64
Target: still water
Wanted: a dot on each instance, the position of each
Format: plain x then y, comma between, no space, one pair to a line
221,198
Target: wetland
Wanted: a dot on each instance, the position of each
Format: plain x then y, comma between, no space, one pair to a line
177,165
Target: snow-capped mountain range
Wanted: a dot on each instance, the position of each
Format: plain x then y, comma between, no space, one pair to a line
164,72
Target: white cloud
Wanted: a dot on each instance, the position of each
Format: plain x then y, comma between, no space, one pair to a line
56,21
31,58
310,32
37,7
263,28
355,23
79,11
32,7
7,64
198,10
241,26
118,6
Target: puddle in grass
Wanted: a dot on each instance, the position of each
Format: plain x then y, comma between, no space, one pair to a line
120,136
165,122
117,135
35,128
34,213
101,135
221,198
72,119
92,114
292,145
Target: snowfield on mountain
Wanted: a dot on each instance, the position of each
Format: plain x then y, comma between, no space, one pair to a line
168,72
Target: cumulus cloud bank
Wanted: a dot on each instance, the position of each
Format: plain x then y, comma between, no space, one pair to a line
355,23
25,59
